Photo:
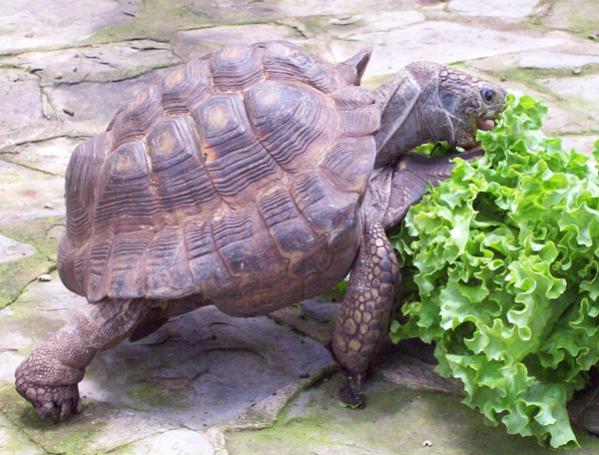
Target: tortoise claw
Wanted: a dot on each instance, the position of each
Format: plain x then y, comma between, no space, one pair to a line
351,392
55,403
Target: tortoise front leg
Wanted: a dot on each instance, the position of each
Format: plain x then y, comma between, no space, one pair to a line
411,178
48,378
363,320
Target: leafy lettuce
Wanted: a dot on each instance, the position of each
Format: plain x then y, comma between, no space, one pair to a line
501,270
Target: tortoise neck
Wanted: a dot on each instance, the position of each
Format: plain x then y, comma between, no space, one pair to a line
411,113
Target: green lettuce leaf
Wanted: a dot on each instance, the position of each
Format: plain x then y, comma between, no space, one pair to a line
501,271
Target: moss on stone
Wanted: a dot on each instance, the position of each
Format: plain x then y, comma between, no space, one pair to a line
70,438
15,275
150,396
315,24
579,16
157,19
160,19
13,442
396,420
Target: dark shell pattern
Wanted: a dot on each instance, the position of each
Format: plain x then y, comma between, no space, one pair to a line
240,174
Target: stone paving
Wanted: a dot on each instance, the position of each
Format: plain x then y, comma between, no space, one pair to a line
207,383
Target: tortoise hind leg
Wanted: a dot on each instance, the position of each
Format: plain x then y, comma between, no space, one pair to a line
160,311
155,318
48,378
363,320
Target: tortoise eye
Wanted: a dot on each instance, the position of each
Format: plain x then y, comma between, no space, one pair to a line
488,94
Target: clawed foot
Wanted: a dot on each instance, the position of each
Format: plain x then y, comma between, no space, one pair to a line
351,392
56,403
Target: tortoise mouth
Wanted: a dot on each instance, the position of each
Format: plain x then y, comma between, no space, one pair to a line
484,123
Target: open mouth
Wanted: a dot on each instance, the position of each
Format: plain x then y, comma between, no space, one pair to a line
485,124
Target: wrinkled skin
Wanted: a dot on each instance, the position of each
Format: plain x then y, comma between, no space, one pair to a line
424,102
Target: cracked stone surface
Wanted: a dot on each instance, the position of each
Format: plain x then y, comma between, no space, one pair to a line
201,370
574,15
87,108
21,102
14,442
96,63
582,91
41,24
207,383
510,9
50,156
314,317
396,421
191,44
11,250
179,441
396,48
26,194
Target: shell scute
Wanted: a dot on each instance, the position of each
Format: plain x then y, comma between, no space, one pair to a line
288,228
291,121
127,192
236,68
133,121
286,61
206,265
234,157
185,87
181,178
166,269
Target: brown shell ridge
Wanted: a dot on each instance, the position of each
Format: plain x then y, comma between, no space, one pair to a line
283,219
276,122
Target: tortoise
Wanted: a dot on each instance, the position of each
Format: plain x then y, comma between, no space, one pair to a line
249,179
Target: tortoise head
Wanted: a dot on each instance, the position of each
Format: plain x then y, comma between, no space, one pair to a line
428,102
470,103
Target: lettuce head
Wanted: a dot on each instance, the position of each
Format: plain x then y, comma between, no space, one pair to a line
501,271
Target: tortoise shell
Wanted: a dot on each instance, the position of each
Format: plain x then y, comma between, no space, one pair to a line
240,174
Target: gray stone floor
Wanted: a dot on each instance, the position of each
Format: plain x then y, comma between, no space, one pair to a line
207,383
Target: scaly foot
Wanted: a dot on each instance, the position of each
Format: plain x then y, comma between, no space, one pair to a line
351,392
52,402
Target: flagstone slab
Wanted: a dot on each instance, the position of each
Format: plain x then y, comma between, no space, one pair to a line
11,250
575,15
86,108
200,370
314,317
179,441
503,9
581,91
40,237
430,41
556,60
562,59
415,374
345,7
99,430
95,63
396,420
36,24
50,156
191,44
26,194
368,22
13,442
21,112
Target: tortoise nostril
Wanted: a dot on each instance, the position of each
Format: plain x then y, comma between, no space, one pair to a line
488,94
